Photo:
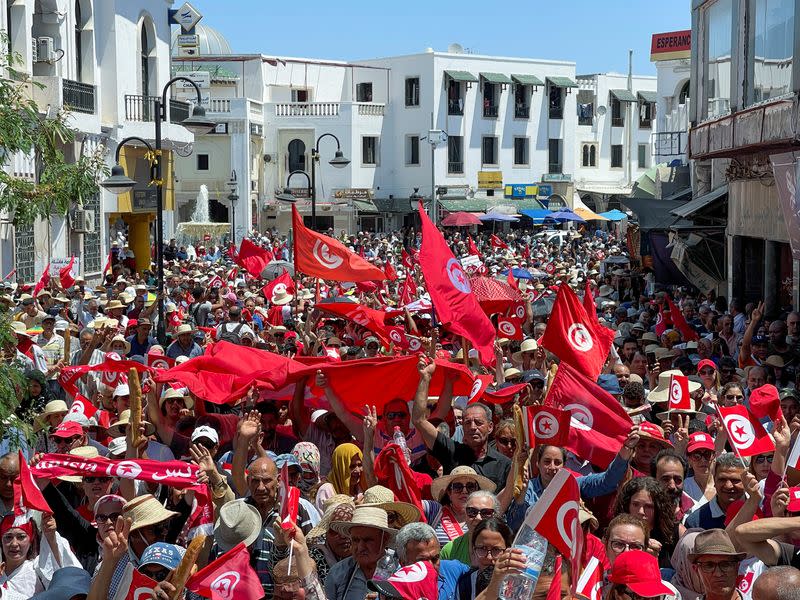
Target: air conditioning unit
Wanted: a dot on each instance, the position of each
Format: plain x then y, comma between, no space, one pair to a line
45,50
83,221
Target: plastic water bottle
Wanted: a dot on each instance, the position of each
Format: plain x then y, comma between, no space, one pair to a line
522,586
387,566
400,440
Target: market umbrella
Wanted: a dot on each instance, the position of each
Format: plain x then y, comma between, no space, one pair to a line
566,215
538,215
495,216
614,215
588,214
494,296
519,273
275,268
460,219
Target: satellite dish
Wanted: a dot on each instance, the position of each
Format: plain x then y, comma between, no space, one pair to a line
601,110
455,49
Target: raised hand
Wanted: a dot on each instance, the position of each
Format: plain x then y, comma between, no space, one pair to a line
370,423
321,380
250,425
758,312
425,367
114,541
202,458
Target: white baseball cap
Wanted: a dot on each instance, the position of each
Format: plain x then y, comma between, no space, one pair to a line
122,390
205,431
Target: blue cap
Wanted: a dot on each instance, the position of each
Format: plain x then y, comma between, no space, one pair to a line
66,583
532,375
760,339
609,383
287,459
162,554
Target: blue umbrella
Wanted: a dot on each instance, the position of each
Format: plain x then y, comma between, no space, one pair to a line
518,273
493,216
614,215
537,214
566,215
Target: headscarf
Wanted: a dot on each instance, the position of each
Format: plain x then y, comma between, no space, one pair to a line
308,456
340,467
686,579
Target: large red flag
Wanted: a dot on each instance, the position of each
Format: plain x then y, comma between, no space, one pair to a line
473,249
546,425
282,283
67,274
680,323
389,271
322,256
43,282
745,433
372,319
230,577
392,471
497,242
511,280
679,398
409,291
27,495
589,305
573,337
555,514
253,258
599,424
451,293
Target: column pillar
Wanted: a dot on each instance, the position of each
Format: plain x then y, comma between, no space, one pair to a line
139,238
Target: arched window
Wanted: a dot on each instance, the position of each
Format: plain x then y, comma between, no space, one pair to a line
78,41
585,157
684,95
593,155
145,58
297,155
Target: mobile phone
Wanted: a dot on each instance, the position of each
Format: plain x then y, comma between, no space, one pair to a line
651,359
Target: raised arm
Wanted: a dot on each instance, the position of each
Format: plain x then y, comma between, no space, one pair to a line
345,416
249,427
426,369
298,411
370,425
755,319
756,537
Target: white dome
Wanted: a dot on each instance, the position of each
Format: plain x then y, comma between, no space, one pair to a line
211,41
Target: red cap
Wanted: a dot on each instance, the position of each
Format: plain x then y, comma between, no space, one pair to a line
653,432
794,499
639,571
699,441
706,362
68,429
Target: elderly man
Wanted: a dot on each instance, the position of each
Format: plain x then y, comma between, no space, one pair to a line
370,535
141,341
717,562
184,345
777,583
417,542
477,425
728,472
9,471
480,505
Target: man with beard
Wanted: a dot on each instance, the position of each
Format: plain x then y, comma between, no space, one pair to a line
669,469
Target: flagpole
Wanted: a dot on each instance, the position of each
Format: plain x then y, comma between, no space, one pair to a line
465,348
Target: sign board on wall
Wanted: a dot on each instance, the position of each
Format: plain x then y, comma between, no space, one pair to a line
354,193
671,45
521,190
56,264
544,190
490,180
185,90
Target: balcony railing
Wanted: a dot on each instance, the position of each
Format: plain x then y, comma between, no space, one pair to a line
307,109
618,121
78,97
455,166
455,107
371,109
522,111
140,108
555,168
490,112
670,143
220,105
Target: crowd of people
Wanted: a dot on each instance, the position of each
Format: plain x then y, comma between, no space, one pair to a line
677,514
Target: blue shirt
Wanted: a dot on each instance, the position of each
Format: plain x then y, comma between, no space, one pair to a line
449,573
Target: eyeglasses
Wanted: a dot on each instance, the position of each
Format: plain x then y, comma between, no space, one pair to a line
66,441
725,566
485,513
176,400
734,397
111,517
157,574
507,441
760,460
396,415
707,372
459,487
621,546
483,551
705,455
96,479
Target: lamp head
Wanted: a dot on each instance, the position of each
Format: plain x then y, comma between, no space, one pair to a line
286,196
197,122
339,161
118,183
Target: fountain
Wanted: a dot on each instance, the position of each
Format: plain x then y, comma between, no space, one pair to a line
193,231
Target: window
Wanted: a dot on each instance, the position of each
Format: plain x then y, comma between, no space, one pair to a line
78,42
647,111
202,162
489,100
146,48
617,113
296,156
369,150
616,156
554,156
556,102
586,99
642,156
716,81
521,150
522,108
412,150
455,154
364,92
489,150
412,91
299,95
455,98
589,155
773,28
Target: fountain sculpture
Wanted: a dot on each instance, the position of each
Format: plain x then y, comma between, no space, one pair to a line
193,231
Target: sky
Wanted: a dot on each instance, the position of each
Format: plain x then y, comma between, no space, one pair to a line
596,34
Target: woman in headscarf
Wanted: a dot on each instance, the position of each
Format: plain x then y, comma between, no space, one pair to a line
686,579
37,395
307,454
345,475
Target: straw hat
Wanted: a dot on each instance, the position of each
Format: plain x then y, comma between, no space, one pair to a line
365,516
440,485
114,304
238,522
605,291
20,329
649,336
382,497
146,510
281,297
124,419
173,393
83,452
53,408
121,338
661,391
184,328
527,345
512,373
337,508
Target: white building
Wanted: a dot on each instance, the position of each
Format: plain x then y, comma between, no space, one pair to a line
105,60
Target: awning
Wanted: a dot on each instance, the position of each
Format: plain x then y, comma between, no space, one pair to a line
537,214
527,79
464,204
623,95
700,202
652,213
463,76
496,77
648,96
562,82
393,205
364,206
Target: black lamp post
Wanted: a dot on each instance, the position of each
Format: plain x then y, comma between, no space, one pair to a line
287,196
232,198
119,183
338,161
415,199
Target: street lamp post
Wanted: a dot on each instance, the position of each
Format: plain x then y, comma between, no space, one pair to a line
232,198
338,161
119,183
287,196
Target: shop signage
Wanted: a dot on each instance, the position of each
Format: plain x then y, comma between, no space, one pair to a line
521,190
185,91
490,180
544,190
456,191
186,16
58,263
144,200
300,192
671,45
354,193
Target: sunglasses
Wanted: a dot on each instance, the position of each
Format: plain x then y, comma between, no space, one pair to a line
111,517
734,397
91,479
459,487
537,384
485,513
396,415
707,372
507,441
760,460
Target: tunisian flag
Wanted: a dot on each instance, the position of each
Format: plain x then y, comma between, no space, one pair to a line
599,424
589,305
43,282
281,282
451,292
546,425
409,291
389,271
497,242
745,433
374,320
230,577
392,470
67,274
680,323
324,257
473,249
573,336
27,495
253,258
679,398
